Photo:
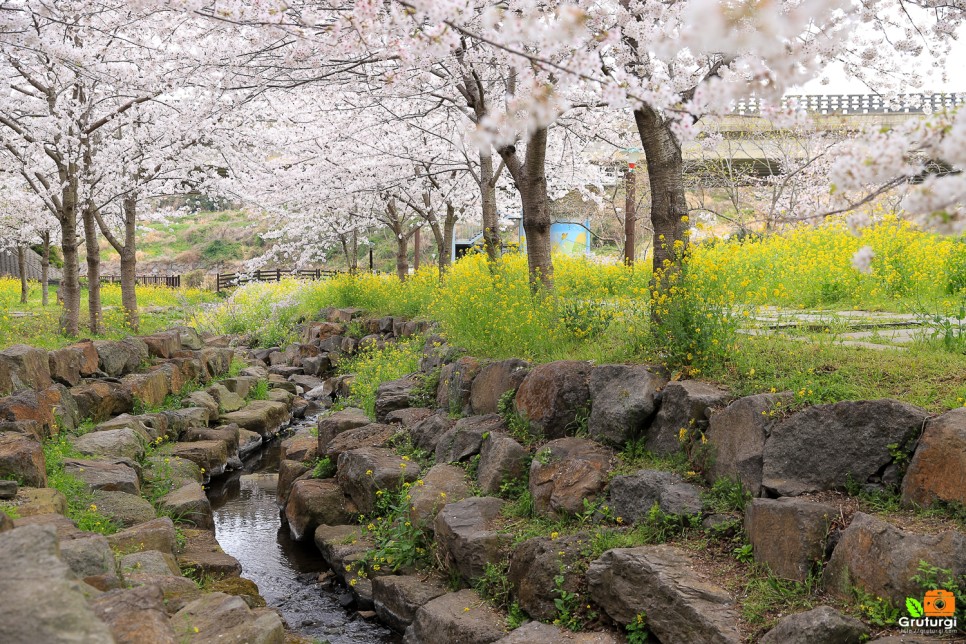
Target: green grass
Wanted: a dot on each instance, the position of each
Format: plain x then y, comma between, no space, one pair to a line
80,502
371,367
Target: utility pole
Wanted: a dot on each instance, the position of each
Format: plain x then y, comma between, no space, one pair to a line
630,214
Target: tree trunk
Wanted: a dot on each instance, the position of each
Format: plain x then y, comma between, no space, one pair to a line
402,256
45,269
630,216
665,170
446,248
416,249
354,258
22,268
531,179
491,220
129,297
69,291
93,270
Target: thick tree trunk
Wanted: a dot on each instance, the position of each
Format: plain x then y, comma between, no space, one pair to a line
531,179
69,291
665,170
491,220
630,216
354,258
93,270
129,297
446,248
416,248
45,270
22,268
402,256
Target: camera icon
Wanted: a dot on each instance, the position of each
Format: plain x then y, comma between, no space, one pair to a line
939,603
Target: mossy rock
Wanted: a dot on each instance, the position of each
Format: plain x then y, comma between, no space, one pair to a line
240,587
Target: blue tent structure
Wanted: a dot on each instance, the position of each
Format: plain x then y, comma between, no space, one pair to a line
566,236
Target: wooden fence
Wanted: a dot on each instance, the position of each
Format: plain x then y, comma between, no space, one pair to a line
171,281
228,280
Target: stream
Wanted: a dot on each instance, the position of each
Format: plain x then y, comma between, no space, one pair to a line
248,528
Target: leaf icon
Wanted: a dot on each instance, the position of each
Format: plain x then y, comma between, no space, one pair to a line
914,607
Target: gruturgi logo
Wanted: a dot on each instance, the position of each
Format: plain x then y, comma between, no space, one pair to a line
935,614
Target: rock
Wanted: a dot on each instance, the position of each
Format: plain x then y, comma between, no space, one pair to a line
240,587
32,501
203,555
264,417
372,435
314,502
115,443
938,468
283,393
566,471
340,546
210,456
553,395
162,345
227,401
27,427
427,433
177,591
215,361
660,582
22,458
288,472
189,337
104,475
248,443
502,460
117,358
827,446
398,597
225,618
540,633
441,484
100,400
388,472
228,434
407,418
201,399
150,389
456,617
136,615
624,400
306,382
493,381
302,446
465,439
467,537
23,367
158,469
64,527
190,505
149,562
239,385
737,437
8,489
41,601
180,420
125,509
455,382
6,523
882,559
789,534
393,395
822,625
534,565
683,404
130,422
52,408
64,365
156,534
633,496
90,556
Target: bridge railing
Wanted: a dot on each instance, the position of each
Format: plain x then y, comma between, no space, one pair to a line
170,281
229,280
861,103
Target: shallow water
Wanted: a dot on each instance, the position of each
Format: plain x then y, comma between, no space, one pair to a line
248,528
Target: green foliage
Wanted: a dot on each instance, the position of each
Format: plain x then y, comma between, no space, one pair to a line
726,495
80,502
219,250
10,510
324,468
259,391
572,613
399,543
515,617
517,424
931,577
766,594
744,553
637,630
373,366
494,586
878,611
424,393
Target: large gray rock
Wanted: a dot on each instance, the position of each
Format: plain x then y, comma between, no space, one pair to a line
105,475
331,425
493,381
227,434
398,597
102,399
190,505
938,468
466,437
264,417
149,562
202,554
158,534
41,600
53,408
456,617
624,402
117,358
882,559
136,615
90,556
660,581
225,618
393,395
683,404
440,485
362,472
125,509
789,535
65,365
553,395
427,433
455,380
633,496
540,633
567,471
314,502
372,435
467,536
828,446
204,400
115,443
534,566
23,367
502,460
209,455
822,625
737,437
22,459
